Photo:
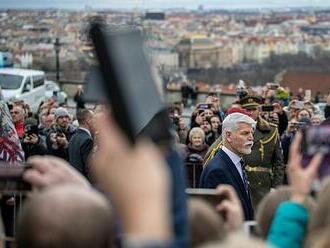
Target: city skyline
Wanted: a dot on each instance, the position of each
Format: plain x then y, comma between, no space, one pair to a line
162,4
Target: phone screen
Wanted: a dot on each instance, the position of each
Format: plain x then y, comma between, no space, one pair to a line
317,139
204,106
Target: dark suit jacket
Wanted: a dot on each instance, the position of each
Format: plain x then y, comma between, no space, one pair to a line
80,146
221,170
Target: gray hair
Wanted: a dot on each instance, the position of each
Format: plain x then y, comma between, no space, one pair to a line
196,130
231,122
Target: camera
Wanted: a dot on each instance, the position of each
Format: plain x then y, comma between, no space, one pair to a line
267,108
241,93
272,86
175,120
31,129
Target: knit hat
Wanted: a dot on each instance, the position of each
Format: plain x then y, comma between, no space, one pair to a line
61,112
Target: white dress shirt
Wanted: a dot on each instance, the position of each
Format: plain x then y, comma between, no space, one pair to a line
235,159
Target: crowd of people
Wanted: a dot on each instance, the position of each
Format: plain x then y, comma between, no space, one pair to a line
92,188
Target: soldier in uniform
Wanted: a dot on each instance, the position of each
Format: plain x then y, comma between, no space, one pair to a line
264,166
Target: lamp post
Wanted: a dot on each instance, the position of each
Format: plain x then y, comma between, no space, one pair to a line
57,46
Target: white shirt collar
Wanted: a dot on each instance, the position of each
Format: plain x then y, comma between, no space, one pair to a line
86,130
233,156
235,159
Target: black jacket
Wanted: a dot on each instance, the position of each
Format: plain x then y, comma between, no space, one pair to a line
80,147
34,149
221,170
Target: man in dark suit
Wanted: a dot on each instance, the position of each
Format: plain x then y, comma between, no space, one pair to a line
227,166
81,143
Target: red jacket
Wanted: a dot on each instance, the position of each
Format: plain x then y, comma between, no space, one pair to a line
20,129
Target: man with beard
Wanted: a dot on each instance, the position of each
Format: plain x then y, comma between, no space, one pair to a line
227,166
60,134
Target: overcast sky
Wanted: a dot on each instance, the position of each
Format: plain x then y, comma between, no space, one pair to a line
159,4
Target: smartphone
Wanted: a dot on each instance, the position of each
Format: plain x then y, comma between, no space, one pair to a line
209,195
127,83
273,86
204,106
11,177
200,111
317,139
267,108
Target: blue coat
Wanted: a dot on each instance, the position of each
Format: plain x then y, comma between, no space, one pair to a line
221,170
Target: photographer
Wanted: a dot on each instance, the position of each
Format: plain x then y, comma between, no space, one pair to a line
287,138
275,114
32,143
60,134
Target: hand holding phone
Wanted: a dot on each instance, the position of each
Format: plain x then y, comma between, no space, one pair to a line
300,178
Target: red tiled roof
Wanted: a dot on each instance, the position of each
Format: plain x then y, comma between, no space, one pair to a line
315,81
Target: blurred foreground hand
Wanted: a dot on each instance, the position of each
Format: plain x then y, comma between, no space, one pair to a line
48,171
137,179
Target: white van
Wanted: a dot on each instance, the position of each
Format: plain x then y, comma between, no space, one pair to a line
23,84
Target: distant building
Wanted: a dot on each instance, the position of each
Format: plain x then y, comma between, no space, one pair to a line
197,52
166,60
155,16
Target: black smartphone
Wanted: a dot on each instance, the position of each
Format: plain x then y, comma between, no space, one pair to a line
128,85
11,177
267,108
201,111
317,139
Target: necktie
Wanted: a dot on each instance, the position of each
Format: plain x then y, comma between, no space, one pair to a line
245,181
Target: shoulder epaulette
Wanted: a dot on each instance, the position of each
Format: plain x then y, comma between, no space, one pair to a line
212,153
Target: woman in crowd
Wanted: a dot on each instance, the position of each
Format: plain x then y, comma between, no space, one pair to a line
195,152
